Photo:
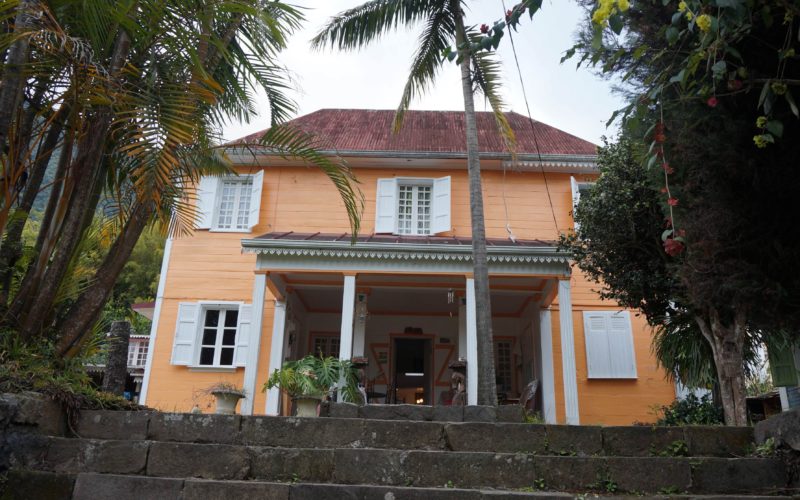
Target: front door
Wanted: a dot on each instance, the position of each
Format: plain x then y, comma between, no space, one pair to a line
412,371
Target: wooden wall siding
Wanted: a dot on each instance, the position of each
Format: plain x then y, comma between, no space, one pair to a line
210,266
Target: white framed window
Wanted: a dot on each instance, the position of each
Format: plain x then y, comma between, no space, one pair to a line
503,366
229,203
137,353
212,335
577,189
410,206
609,344
325,344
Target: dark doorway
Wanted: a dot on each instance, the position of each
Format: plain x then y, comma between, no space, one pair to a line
412,371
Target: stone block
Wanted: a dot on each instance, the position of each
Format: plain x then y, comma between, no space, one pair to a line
364,492
291,464
207,461
103,424
500,438
405,435
470,469
574,440
514,495
396,412
643,441
737,475
342,410
649,475
89,455
31,409
480,414
784,428
22,447
569,473
37,485
107,486
379,467
720,441
194,428
448,413
510,413
201,489
303,432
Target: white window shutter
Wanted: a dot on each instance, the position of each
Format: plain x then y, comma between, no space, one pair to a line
576,197
185,333
243,332
255,198
206,199
620,345
440,222
386,206
598,359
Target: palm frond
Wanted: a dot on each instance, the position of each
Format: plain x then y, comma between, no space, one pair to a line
486,77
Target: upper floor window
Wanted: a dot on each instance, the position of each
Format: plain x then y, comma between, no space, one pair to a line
137,352
229,203
211,335
408,206
578,188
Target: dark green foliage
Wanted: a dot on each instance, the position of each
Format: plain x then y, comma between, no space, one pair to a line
690,411
316,376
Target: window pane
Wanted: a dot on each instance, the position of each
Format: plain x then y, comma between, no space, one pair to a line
243,210
405,209
231,318
503,369
229,337
209,336
226,356
212,317
423,209
207,356
226,205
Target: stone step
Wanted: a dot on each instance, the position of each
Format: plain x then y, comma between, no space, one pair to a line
91,486
420,435
417,468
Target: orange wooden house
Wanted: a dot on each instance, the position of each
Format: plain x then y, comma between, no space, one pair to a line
271,274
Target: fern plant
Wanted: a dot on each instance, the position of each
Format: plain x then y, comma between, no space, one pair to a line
315,376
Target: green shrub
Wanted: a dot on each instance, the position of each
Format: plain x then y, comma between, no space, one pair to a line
690,411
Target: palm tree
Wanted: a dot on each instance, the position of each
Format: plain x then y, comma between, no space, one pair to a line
131,93
443,22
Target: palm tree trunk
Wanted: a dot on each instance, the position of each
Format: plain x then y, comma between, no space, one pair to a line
487,384
89,304
13,80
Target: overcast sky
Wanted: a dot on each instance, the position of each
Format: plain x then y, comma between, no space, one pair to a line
573,100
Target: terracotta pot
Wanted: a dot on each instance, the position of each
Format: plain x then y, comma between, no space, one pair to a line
306,406
227,401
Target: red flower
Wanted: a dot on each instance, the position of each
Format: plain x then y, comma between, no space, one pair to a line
673,202
508,15
660,137
668,169
673,247
712,102
484,28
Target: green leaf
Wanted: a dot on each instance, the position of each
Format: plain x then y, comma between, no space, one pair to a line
719,69
775,127
672,35
616,23
666,234
792,104
764,91
640,51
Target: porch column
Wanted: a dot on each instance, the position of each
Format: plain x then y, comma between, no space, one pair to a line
360,327
568,352
254,343
462,328
472,345
346,335
548,378
276,355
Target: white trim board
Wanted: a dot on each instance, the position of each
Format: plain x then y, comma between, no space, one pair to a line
162,281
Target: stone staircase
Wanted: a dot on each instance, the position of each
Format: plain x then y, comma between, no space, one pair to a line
144,455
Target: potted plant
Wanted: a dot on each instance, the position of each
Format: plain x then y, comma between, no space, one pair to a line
312,378
227,396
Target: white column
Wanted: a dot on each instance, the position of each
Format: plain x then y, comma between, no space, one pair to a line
360,327
254,343
462,328
472,345
548,374
784,398
348,305
568,352
276,355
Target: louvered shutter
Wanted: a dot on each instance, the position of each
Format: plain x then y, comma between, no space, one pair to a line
206,199
782,367
576,197
255,199
243,332
598,359
185,333
441,206
620,345
386,206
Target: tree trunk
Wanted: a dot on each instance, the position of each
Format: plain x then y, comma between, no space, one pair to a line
87,308
727,346
487,383
117,365
13,80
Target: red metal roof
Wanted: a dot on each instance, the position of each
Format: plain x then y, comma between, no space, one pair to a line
389,238
429,132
